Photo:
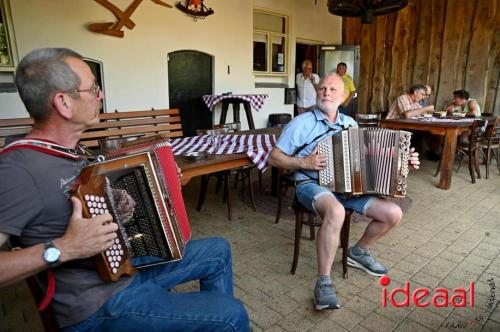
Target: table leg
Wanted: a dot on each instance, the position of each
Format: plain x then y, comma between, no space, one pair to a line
248,112
236,112
448,158
223,113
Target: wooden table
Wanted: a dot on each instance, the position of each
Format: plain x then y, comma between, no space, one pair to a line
450,130
217,163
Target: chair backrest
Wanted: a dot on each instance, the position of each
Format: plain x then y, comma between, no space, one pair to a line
493,131
215,131
368,120
231,127
477,131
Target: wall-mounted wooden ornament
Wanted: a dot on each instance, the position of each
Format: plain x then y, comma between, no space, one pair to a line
115,28
194,8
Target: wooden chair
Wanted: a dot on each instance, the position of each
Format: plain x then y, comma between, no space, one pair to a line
242,174
491,143
368,120
300,212
470,149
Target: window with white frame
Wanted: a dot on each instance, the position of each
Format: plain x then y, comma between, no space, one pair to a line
270,43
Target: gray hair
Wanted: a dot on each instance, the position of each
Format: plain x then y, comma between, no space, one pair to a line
306,63
40,75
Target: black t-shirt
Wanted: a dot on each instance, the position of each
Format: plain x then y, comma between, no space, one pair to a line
34,208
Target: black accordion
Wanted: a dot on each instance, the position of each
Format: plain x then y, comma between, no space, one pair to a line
366,161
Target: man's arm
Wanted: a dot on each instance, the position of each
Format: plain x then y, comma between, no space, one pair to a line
312,162
418,111
83,238
473,107
348,100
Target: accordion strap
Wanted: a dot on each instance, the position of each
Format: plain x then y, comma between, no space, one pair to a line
51,288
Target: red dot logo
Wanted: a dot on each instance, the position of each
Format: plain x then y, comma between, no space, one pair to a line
384,281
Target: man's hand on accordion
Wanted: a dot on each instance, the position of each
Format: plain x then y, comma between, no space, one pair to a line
86,237
314,161
413,159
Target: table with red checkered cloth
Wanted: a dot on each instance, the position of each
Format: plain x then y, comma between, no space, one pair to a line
257,101
256,147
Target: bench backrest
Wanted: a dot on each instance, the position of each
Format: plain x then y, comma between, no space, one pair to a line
166,122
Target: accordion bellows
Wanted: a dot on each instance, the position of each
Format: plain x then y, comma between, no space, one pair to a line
366,161
140,188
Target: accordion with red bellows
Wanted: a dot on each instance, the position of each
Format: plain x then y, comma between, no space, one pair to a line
140,188
366,161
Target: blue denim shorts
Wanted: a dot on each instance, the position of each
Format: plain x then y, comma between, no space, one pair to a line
308,192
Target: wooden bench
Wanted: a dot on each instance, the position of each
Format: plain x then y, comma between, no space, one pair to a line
166,122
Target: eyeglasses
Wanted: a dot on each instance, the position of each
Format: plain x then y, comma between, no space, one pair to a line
95,90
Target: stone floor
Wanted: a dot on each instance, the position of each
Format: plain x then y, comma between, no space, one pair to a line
447,239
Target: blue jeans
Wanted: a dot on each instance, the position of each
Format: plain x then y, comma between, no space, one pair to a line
309,192
148,305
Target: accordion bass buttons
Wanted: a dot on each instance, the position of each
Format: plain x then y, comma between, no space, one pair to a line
114,254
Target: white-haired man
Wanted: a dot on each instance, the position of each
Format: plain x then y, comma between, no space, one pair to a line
295,150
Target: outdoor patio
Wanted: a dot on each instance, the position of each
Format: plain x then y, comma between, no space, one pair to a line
447,239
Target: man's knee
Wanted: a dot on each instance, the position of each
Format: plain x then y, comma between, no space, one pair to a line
331,211
394,215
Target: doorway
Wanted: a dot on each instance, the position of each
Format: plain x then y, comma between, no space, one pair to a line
330,56
190,77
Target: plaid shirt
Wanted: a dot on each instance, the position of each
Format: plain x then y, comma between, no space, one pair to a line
400,105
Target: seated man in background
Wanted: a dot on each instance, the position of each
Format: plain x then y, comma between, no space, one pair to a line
462,103
61,95
296,150
408,105
428,92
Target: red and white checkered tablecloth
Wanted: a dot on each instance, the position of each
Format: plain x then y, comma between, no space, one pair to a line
257,101
256,147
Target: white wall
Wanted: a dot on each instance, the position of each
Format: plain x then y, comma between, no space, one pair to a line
135,67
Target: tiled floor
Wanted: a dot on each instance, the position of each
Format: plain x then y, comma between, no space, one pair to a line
447,239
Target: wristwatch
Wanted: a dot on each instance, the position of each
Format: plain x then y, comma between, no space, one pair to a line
51,254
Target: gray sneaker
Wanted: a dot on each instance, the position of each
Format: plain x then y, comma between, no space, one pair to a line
325,297
363,259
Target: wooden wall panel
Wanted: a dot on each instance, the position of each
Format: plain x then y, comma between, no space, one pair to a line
367,42
448,44
379,80
493,80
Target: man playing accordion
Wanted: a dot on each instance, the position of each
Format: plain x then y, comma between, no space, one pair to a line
61,95
296,150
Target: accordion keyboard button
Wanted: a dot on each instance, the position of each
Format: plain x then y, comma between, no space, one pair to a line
87,197
104,205
107,253
99,205
101,211
110,259
102,200
89,204
115,270
121,252
119,258
117,241
92,198
91,210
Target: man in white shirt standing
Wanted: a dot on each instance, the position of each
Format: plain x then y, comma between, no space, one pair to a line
306,83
